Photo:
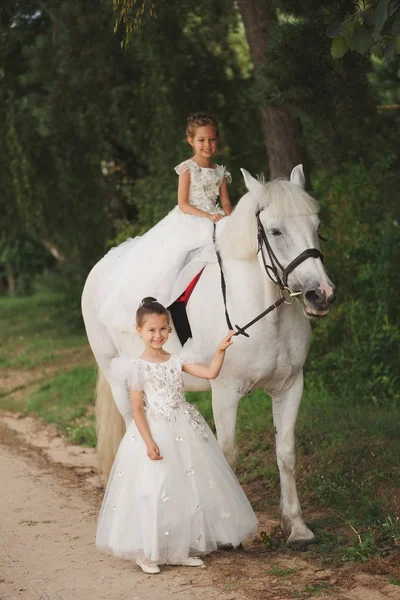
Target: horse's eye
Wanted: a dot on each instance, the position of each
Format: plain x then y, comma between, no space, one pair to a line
276,232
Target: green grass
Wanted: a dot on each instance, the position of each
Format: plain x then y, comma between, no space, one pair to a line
280,572
348,466
66,401
313,588
33,332
34,335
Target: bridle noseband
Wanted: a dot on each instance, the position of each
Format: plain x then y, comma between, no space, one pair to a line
275,271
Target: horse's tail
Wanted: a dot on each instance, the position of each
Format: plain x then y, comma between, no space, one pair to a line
110,427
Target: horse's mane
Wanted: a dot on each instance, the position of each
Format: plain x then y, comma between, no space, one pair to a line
238,239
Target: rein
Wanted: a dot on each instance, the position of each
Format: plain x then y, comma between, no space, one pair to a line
287,295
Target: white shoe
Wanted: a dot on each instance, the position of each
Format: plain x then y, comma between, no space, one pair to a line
148,567
191,561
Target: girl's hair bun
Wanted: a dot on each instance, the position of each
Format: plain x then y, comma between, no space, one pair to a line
147,300
149,306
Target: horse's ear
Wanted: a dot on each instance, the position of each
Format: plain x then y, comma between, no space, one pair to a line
251,183
297,176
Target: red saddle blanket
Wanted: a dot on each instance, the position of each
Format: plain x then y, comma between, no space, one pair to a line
188,292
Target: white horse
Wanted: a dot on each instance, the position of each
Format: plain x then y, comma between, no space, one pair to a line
272,358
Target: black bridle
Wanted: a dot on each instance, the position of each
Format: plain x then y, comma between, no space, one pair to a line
275,271
275,266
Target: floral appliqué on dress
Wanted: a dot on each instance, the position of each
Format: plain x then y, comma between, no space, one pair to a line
166,382
204,185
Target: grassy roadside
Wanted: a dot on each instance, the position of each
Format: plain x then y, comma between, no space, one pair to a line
348,455
348,474
46,367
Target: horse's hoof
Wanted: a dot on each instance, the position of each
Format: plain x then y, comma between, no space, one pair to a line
301,545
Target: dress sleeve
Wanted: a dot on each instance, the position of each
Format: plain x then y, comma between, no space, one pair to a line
185,361
192,353
128,370
182,167
227,176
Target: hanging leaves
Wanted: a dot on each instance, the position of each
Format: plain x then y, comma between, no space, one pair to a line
131,14
374,27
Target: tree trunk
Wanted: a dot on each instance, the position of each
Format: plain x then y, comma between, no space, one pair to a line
283,140
282,131
10,279
3,288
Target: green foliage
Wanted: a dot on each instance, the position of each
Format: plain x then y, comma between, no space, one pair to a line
370,26
22,259
131,14
362,551
65,284
356,349
92,132
391,526
213,77
45,118
300,74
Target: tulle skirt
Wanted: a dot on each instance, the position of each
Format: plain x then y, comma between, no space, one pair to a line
186,504
161,264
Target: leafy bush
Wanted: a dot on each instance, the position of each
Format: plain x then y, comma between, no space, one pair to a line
67,282
355,350
21,259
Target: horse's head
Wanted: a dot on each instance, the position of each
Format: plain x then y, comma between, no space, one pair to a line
280,220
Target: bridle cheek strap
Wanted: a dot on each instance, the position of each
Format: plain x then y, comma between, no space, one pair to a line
275,265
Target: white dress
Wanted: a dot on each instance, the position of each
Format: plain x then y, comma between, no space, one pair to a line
154,264
186,504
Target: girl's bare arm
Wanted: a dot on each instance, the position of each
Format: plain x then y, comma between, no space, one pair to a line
224,197
139,416
212,370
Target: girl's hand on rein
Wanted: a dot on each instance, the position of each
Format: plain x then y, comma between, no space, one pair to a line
215,218
226,342
153,451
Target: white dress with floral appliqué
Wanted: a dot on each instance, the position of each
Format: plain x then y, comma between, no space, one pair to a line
186,504
155,264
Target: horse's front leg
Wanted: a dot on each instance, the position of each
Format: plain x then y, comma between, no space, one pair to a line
285,408
225,399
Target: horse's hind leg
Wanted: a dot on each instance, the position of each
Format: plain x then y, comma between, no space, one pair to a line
285,408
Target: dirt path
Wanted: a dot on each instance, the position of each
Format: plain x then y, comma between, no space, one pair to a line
49,498
47,534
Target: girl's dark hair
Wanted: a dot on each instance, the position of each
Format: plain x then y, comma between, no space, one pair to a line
149,306
200,119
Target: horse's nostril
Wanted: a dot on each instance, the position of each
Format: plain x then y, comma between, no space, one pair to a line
313,295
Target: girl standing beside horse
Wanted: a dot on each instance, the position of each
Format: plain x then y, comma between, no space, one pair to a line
171,493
